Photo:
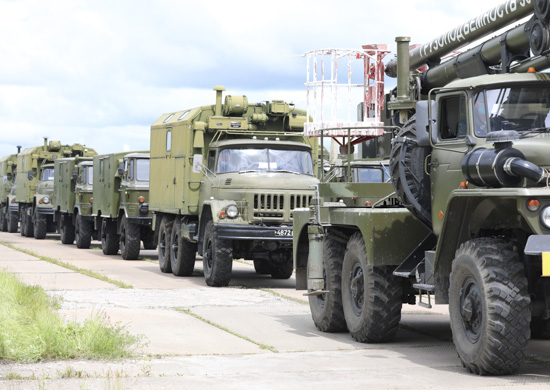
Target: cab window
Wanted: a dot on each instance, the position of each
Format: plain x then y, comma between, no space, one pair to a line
453,123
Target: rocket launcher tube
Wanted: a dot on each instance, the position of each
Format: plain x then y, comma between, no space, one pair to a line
487,23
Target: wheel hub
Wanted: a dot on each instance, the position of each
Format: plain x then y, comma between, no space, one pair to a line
471,310
357,288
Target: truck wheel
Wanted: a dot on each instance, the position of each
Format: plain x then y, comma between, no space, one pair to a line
182,253
67,230
3,220
407,165
29,228
13,221
371,296
129,239
109,241
489,306
217,258
282,271
326,309
148,238
164,246
262,267
83,232
40,227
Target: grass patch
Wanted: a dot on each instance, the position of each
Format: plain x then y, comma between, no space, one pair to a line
262,346
60,263
31,330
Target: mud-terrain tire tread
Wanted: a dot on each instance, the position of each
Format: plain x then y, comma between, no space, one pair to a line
217,258
498,274
327,310
282,271
13,221
182,253
130,240
163,247
83,232
109,242
380,311
414,177
3,219
67,230
40,227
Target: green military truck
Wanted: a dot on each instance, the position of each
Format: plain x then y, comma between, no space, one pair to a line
34,185
7,175
71,199
121,203
471,163
225,179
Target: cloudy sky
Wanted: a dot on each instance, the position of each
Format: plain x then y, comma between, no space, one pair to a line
101,72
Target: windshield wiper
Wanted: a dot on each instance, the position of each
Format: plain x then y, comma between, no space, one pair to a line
536,130
285,171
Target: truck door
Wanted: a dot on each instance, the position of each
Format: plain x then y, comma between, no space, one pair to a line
447,154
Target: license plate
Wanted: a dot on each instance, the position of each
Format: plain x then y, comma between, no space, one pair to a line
283,232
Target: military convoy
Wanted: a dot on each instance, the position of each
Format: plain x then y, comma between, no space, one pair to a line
227,177
8,221
469,161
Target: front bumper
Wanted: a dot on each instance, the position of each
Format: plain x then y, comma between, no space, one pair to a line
254,232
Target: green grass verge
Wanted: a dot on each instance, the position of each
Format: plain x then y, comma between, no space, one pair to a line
60,263
32,330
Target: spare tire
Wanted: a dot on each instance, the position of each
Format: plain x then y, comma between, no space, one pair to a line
409,178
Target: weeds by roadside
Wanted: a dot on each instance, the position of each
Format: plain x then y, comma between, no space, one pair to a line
31,329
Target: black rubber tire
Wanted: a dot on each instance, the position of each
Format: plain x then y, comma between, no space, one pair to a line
326,309
3,219
13,221
40,226
163,247
148,238
283,271
407,166
130,240
66,230
489,307
109,241
217,258
83,232
262,267
182,253
371,296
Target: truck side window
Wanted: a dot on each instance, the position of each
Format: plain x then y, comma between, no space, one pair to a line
131,170
212,160
169,140
453,123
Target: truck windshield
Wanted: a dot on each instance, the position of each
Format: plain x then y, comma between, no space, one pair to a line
519,108
47,174
370,175
88,175
272,160
142,169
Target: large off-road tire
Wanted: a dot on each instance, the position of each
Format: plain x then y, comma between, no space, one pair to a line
13,221
3,219
109,241
40,226
182,253
148,238
130,239
371,296
66,230
282,271
326,309
217,258
489,307
262,267
27,228
83,232
408,172
163,248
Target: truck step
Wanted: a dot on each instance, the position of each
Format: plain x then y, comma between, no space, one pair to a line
407,268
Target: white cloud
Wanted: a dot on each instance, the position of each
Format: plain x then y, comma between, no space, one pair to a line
101,72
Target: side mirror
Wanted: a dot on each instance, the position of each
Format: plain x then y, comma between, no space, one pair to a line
30,175
423,119
75,174
120,170
197,163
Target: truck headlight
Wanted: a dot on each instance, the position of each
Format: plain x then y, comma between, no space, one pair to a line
44,200
232,211
545,217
